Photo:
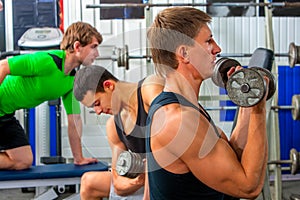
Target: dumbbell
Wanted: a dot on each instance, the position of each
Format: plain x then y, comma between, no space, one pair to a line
294,161
130,164
246,87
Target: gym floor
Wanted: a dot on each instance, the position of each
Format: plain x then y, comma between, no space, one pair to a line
288,188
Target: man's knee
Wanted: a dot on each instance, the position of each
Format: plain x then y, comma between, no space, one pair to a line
24,163
85,185
20,158
86,180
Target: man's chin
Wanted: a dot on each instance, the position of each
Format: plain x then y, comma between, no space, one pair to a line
87,63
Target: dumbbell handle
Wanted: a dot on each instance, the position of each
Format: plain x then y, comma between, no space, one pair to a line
279,162
283,107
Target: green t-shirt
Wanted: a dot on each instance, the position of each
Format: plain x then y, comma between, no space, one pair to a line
36,78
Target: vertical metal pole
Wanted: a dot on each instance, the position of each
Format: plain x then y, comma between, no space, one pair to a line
149,19
273,121
123,44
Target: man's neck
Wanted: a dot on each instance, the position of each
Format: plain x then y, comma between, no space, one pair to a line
70,63
184,85
127,95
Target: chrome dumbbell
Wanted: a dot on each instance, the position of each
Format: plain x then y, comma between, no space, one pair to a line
245,87
130,164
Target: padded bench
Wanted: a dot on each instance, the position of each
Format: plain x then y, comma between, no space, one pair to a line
47,175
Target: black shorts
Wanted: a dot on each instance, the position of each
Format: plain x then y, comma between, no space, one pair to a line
12,134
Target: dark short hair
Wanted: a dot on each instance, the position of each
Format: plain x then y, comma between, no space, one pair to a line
90,78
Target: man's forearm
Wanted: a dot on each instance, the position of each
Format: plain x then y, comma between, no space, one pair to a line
239,135
74,133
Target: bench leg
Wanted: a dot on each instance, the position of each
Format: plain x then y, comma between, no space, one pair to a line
50,194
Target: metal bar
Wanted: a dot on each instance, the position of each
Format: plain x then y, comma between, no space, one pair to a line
235,107
212,108
114,57
248,55
272,117
279,162
283,169
287,177
140,57
213,98
282,107
234,55
149,5
221,108
107,58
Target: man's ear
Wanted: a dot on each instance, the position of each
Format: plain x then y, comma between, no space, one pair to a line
108,84
183,53
76,45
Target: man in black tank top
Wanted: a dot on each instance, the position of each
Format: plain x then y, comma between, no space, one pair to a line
97,88
188,157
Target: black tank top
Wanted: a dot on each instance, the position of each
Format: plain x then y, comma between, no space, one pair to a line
135,141
165,185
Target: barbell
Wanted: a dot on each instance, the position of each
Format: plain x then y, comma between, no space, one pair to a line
230,4
293,161
122,57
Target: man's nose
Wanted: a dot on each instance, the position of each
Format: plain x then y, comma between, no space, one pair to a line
97,53
98,110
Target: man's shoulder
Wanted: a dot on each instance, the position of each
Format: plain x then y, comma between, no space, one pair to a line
153,80
57,52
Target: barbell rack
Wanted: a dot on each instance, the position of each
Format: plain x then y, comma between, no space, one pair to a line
149,5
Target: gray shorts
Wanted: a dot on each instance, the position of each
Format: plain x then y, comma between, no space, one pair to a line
138,195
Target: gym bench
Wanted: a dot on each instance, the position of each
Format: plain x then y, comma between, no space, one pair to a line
48,175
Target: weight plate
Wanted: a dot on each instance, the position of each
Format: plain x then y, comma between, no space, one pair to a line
272,84
222,66
294,157
126,57
123,57
120,57
292,54
129,164
246,87
296,107
123,163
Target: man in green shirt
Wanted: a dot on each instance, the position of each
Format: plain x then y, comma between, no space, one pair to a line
31,79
